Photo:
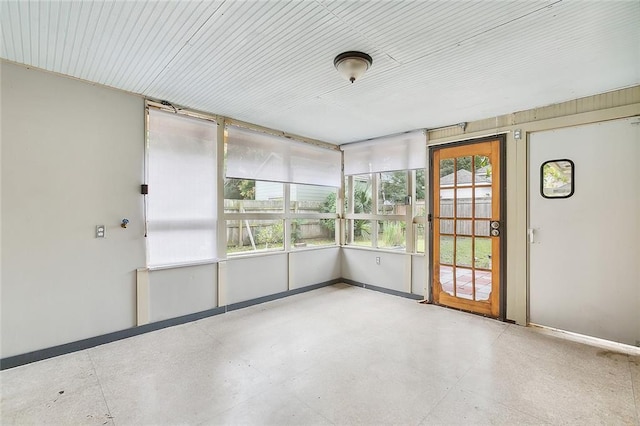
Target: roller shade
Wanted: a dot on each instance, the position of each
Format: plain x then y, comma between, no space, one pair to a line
260,156
405,151
182,189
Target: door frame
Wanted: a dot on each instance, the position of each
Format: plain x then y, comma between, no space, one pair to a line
502,139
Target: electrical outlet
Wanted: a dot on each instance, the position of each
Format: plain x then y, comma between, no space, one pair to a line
377,260
100,231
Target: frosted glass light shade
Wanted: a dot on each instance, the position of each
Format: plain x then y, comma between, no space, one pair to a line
352,65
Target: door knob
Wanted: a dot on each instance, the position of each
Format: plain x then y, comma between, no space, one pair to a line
495,228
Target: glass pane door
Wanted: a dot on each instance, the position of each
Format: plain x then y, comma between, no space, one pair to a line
466,227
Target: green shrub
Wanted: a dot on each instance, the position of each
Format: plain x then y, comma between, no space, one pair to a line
270,234
393,233
296,232
329,206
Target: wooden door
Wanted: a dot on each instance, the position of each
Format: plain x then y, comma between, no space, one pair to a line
467,227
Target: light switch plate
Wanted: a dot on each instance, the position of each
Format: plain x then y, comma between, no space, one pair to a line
100,231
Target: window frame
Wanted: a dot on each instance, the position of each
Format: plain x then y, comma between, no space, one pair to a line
288,217
573,172
411,218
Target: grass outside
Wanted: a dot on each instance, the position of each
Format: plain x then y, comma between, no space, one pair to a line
362,241
315,242
397,243
463,251
259,248
366,242
463,248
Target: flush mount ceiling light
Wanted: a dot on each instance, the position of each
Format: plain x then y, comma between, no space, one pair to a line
352,65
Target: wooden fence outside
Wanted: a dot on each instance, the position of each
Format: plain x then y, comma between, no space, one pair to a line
464,210
240,232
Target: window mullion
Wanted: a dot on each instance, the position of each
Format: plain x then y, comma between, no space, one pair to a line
374,208
410,231
221,240
351,208
287,217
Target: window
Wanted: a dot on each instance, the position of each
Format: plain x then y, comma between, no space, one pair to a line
419,212
252,196
313,211
556,179
280,194
181,214
362,194
419,237
392,234
385,192
359,232
360,202
393,192
310,220
250,207
252,235
419,204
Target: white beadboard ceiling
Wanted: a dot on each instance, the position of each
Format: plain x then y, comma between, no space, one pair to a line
435,63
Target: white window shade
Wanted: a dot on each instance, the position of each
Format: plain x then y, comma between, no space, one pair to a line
182,189
405,151
260,156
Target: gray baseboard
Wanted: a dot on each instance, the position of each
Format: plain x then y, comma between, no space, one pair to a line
41,354
383,289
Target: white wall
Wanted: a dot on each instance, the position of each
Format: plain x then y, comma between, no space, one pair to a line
419,272
393,272
308,267
251,277
72,158
181,291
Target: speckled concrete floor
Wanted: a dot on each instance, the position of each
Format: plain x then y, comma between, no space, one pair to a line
337,355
